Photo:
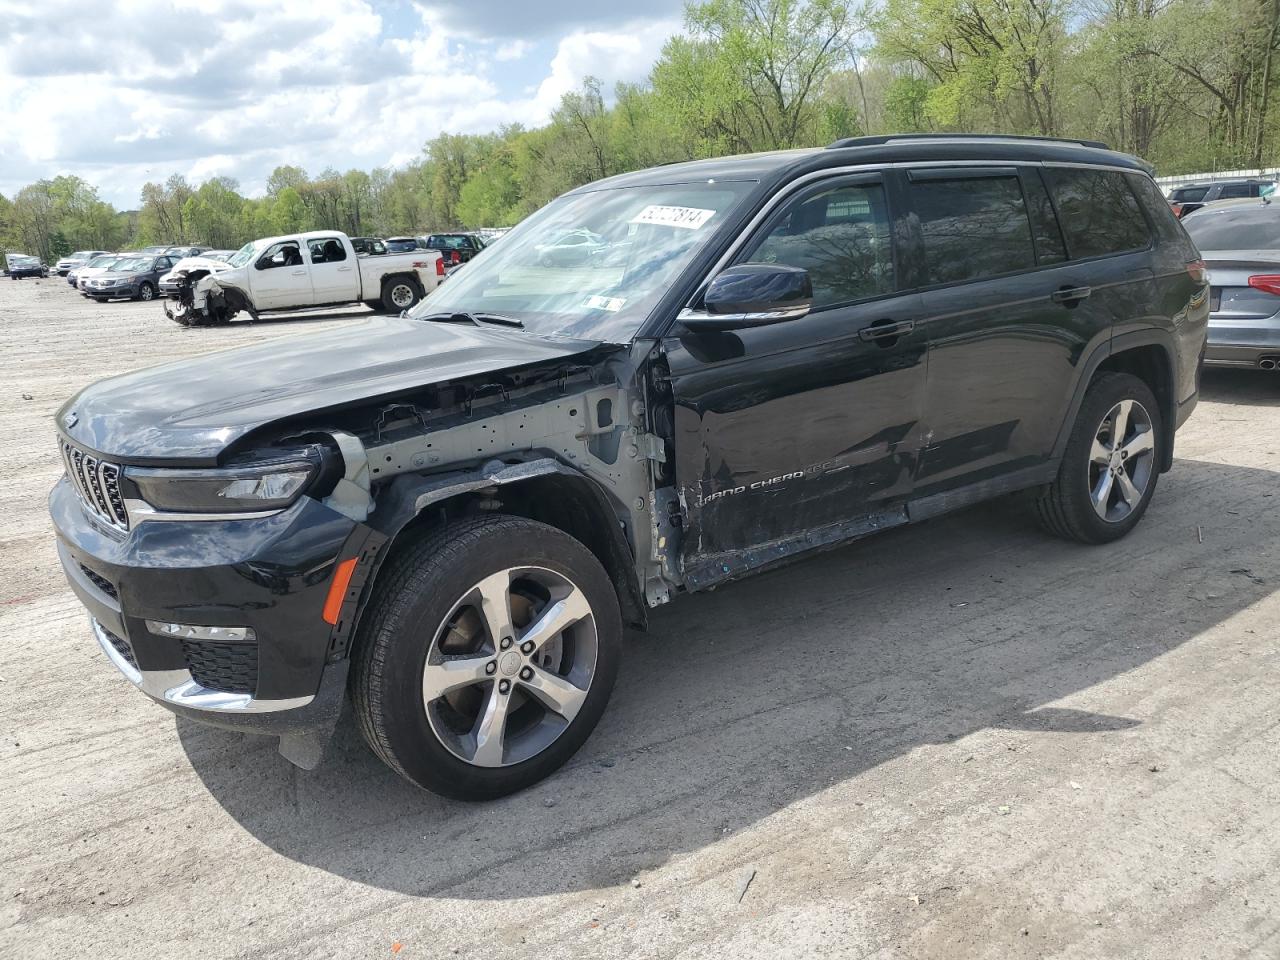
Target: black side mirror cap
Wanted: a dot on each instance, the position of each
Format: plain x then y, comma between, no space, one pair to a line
752,295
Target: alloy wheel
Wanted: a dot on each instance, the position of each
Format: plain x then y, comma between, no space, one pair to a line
510,667
1121,461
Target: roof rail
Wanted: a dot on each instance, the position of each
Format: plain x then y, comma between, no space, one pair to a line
893,137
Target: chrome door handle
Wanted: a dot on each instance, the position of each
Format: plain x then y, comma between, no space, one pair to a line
886,330
1069,295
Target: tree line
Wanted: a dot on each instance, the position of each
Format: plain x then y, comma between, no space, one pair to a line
1186,84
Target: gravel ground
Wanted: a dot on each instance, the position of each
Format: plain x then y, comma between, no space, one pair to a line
961,739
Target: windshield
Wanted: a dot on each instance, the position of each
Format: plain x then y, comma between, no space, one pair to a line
591,265
81,255
102,261
132,265
1251,227
241,256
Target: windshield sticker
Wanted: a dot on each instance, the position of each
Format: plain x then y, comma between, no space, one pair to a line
690,218
596,302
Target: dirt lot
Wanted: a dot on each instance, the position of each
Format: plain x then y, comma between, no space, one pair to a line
961,739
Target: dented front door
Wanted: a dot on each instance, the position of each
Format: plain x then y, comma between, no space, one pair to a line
808,431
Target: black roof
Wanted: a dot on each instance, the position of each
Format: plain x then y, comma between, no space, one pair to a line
784,164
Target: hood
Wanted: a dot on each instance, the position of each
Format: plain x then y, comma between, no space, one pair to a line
187,264
195,409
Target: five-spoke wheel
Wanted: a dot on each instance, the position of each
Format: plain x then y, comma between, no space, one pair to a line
510,667
486,656
1121,460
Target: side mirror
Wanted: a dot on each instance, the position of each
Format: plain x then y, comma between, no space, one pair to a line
752,295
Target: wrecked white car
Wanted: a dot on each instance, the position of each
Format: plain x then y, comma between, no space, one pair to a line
296,272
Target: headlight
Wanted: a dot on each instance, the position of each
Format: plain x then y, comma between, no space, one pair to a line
242,488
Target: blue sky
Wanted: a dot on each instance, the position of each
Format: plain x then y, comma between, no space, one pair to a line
126,91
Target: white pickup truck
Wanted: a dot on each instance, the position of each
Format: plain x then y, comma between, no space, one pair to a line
302,270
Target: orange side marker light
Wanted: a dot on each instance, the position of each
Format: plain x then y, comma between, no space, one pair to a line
338,590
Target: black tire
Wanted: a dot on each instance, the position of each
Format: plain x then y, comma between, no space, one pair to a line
393,289
146,290
1064,508
409,607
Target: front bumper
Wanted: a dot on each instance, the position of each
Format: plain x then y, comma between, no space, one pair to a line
271,574
111,293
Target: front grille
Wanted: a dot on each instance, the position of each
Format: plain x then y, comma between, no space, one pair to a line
121,645
229,667
101,582
98,484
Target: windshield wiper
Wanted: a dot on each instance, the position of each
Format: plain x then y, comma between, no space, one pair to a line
479,319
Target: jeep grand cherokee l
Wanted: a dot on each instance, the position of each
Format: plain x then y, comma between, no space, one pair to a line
451,515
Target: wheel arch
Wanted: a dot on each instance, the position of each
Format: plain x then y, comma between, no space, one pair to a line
407,275
412,505
1148,355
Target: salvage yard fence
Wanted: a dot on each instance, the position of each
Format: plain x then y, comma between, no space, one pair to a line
1168,183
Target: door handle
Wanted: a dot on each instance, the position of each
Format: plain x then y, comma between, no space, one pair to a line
344,269
886,332
1070,295
299,273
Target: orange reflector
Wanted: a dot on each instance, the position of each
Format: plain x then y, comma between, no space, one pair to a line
338,590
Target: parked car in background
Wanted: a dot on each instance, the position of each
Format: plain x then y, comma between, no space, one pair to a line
570,248
95,267
1190,197
132,278
451,515
212,261
402,244
369,246
77,259
21,265
315,269
454,247
179,253
1240,243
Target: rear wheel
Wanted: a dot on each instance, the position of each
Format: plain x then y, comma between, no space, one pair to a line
399,294
486,657
1112,461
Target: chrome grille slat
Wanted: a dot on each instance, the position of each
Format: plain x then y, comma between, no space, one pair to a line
97,483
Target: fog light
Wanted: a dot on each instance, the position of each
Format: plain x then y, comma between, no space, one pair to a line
190,631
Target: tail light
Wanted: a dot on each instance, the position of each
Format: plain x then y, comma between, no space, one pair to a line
425,264
455,256
1177,209
1267,283
1197,270
439,266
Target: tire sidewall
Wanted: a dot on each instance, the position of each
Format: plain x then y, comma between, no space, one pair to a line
1097,404
414,617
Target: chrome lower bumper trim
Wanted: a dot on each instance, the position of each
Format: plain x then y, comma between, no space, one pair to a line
180,688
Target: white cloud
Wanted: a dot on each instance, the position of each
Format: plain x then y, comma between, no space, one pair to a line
512,50
236,87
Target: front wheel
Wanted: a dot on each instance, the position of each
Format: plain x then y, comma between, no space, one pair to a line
486,657
146,291
1110,467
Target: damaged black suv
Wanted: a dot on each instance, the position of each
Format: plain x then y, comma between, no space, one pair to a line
450,516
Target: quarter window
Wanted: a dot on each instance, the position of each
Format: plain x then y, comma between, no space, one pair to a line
973,227
1235,191
1099,213
841,236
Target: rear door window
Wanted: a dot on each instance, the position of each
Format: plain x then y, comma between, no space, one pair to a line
1237,191
973,227
1189,194
1099,213
841,235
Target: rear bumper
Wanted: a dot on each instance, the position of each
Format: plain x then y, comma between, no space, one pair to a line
270,574
1242,343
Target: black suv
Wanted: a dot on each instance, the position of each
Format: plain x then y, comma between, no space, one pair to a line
1192,196
451,515
455,247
